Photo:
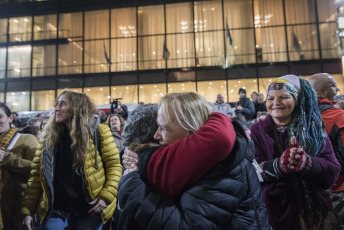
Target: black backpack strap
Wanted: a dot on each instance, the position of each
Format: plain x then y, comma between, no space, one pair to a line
323,106
337,145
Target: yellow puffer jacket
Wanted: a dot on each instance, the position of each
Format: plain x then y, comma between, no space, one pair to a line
98,182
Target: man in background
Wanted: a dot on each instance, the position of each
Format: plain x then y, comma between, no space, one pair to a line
222,107
326,88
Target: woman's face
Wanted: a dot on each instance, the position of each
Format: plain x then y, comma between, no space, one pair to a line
168,134
62,110
4,121
280,105
115,123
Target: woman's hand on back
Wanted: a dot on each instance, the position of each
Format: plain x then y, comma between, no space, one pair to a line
130,160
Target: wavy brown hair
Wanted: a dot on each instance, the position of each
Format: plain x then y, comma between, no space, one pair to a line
82,125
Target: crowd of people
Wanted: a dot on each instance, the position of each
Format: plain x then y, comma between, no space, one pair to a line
184,163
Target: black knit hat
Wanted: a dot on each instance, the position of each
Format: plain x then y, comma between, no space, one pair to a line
242,90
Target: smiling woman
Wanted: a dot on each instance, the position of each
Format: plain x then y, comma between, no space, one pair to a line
296,157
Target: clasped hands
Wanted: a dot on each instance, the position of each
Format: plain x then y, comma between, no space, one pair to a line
294,159
130,161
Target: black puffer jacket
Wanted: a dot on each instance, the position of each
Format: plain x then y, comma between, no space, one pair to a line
219,200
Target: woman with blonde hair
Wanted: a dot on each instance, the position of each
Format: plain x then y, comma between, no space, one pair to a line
116,124
75,171
197,178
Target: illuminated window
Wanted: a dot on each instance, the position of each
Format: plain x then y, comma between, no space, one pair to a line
151,52
70,58
99,95
329,42
42,100
77,90
18,101
181,87
123,54
264,83
45,27
94,56
210,89
209,48
2,62
151,93
179,18
300,11
128,93
271,44
70,25
151,20
250,85
238,18
123,22
303,42
44,60
3,30
242,49
208,16
182,54
96,24
20,29
2,96
19,63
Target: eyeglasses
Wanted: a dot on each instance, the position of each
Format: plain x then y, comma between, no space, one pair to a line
330,86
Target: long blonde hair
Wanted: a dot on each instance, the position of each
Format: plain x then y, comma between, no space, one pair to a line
81,122
189,109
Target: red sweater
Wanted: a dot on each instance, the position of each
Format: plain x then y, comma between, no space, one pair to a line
331,117
173,167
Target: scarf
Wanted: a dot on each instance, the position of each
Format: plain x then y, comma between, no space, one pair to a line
5,182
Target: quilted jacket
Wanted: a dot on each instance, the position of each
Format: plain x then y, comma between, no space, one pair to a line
101,182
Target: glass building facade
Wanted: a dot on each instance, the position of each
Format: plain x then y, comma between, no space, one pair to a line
143,50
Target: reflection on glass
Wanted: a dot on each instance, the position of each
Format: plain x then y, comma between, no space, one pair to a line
234,85
42,100
70,25
210,89
150,52
238,13
20,29
128,93
77,90
209,48
179,18
19,61
123,22
43,60
181,87
2,62
303,42
44,27
151,93
70,58
3,30
182,54
2,96
99,95
150,20
271,44
94,58
123,54
208,16
96,24
18,101
242,49
329,42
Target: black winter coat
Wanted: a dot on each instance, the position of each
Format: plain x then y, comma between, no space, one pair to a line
219,200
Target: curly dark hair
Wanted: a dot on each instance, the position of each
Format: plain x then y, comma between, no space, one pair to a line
141,125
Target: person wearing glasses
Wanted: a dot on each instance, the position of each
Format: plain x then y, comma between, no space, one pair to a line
325,86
